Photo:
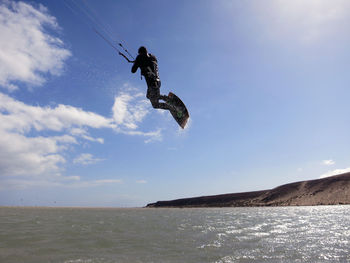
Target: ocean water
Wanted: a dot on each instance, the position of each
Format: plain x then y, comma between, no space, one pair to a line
218,235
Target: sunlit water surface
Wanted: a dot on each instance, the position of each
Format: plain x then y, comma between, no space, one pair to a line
81,235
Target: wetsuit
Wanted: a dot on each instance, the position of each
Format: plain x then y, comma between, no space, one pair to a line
149,69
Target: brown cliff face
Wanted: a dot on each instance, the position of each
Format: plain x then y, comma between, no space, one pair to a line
327,191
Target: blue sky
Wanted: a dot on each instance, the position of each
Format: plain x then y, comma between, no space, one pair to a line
266,84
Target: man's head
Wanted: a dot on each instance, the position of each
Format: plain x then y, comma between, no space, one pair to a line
142,51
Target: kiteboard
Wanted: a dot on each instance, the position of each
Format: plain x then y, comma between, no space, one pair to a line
181,114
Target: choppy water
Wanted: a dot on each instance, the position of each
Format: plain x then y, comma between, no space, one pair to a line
71,235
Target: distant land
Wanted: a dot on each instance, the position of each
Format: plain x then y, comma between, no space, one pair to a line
334,190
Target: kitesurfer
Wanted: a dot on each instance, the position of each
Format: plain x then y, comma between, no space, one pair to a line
148,65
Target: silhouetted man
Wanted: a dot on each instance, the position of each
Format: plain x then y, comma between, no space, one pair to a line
148,65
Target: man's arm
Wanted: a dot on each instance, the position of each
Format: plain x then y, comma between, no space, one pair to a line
136,65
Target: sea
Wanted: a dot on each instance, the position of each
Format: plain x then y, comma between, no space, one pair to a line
198,235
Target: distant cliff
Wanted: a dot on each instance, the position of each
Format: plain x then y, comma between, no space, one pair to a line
327,191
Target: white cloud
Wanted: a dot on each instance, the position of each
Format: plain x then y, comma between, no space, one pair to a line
84,134
19,117
141,182
30,156
21,154
335,172
302,21
27,53
328,162
129,109
86,158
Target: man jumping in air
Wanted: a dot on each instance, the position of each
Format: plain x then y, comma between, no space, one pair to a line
148,65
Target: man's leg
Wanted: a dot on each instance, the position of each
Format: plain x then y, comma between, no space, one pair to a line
165,106
153,94
160,105
164,97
